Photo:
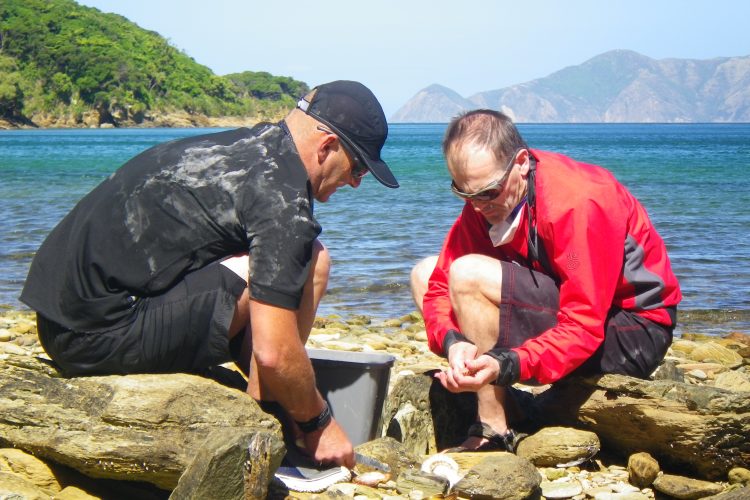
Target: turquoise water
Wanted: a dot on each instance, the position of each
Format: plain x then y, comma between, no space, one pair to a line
692,179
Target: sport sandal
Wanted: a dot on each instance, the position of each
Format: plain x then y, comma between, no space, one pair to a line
495,441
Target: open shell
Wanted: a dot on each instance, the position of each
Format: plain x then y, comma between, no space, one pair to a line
372,478
442,465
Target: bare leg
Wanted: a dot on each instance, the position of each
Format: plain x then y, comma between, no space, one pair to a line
312,293
475,284
420,276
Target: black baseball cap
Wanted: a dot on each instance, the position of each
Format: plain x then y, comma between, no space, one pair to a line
353,113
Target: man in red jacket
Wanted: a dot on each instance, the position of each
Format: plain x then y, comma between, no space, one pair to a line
552,267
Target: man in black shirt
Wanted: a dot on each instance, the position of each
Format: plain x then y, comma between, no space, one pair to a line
210,239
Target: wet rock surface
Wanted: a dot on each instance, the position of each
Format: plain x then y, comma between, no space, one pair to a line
36,461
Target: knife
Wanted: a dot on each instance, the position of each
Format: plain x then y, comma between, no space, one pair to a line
371,462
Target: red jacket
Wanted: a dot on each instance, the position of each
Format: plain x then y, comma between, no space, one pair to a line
601,246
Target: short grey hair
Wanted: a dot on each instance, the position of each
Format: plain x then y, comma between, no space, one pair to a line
486,128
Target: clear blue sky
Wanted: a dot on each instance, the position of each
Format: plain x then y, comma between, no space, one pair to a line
398,47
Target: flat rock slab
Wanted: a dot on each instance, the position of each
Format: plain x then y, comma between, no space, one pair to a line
685,488
135,427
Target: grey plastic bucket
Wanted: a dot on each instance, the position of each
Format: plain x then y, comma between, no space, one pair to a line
355,385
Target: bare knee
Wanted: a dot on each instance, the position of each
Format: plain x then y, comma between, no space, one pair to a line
420,277
321,264
241,317
475,276
474,286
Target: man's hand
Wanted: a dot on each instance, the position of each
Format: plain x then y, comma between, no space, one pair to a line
470,373
459,354
287,376
456,376
330,445
474,374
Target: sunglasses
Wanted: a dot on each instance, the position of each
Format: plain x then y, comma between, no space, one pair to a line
359,169
491,190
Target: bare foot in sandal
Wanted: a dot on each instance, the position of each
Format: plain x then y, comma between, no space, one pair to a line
482,437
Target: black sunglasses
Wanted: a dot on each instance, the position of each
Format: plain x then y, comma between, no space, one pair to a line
359,169
491,190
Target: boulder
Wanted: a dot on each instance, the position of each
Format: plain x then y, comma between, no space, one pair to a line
642,469
559,447
231,467
137,427
513,478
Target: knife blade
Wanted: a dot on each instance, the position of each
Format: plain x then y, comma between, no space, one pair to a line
371,462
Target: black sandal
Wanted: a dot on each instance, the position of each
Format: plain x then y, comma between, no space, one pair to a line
495,441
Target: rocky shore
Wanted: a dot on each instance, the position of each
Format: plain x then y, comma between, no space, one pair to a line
174,119
555,461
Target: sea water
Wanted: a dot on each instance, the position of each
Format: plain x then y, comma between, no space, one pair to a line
692,179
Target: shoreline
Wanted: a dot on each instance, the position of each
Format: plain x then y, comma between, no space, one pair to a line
709,322
156,120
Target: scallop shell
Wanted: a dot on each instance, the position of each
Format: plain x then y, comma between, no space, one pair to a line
442,465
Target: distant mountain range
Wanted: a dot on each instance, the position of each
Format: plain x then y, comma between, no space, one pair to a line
617,86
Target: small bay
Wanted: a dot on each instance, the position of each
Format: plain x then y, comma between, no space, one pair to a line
693,180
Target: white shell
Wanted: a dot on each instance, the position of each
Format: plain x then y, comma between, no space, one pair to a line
372,478
442,465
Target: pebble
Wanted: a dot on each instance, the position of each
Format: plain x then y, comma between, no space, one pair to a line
699,374
621,496
5,335
593,492
13,349
620,487
561,489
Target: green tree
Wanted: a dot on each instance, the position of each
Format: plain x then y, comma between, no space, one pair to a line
69,55
62,86
11,95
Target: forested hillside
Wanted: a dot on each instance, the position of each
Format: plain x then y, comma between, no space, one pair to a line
68,65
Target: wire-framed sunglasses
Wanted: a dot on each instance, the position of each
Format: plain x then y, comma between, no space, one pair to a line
359,169
491,190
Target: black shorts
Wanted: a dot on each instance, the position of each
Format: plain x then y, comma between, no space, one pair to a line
529,304
185,329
